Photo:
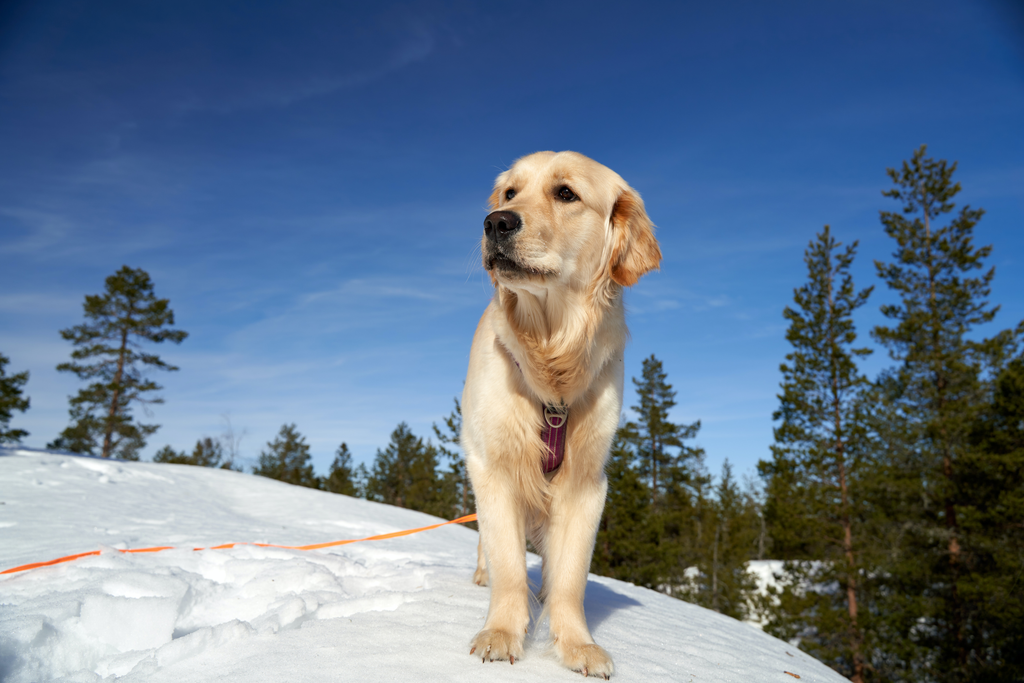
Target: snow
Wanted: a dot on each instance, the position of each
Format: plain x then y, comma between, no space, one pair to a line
765,573
400,609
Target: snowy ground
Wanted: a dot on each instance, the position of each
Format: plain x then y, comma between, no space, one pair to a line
401,609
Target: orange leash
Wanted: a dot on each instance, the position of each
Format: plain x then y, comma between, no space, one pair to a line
315,546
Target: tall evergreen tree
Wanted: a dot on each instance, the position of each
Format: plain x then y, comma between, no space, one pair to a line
933,397
11,400
819,460
686,520
653,434
628,544
719,579
646,538
990,493
287,459
117,321
405,474
457,477
341,479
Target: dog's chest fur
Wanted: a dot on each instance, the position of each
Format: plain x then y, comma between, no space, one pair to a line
559,362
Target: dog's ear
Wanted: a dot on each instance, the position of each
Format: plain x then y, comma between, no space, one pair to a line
634,249
492,201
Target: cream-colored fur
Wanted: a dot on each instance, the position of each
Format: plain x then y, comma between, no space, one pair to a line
557,312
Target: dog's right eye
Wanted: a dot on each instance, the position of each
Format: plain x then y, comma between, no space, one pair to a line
509,194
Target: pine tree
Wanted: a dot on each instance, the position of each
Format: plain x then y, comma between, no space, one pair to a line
287,459
628,544
11,400
206,453
990,492
361,479
674,470
645,537
653,434
168,456
819,459
340,479
456,478
934,395
685,518
117,321
405,474
719,579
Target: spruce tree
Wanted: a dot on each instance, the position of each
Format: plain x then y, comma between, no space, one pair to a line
456,479
646,538
168,456
933,397
11,400
405,475
117,322
990,492
628,544
287,459
340,479
816,501
685,518
718,578
206,453
653,434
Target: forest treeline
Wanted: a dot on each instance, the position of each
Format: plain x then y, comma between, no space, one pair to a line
409,472
893,505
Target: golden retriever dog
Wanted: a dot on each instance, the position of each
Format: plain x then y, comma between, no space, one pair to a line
564,236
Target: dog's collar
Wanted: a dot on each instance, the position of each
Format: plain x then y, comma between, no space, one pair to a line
552,433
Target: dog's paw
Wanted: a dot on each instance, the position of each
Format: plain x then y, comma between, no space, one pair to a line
492,644
588,659
480,577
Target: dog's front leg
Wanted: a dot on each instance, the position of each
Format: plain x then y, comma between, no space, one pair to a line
569,543
577,495
503,535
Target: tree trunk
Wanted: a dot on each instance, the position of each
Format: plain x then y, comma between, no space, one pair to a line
654,472
851,578
953,545
844,512
714,571
109,432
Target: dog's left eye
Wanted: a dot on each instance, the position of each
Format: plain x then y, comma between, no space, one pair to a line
566,195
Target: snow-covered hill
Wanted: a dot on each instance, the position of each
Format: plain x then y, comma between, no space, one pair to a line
402,609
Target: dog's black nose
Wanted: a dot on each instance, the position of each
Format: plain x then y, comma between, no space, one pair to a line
500,225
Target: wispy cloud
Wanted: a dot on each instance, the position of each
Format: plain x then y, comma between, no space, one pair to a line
366,289
413,48
55,235
34,303
42,229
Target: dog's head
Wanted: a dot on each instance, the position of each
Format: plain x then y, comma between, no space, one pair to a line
563,219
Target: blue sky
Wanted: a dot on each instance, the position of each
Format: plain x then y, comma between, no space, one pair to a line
306,182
